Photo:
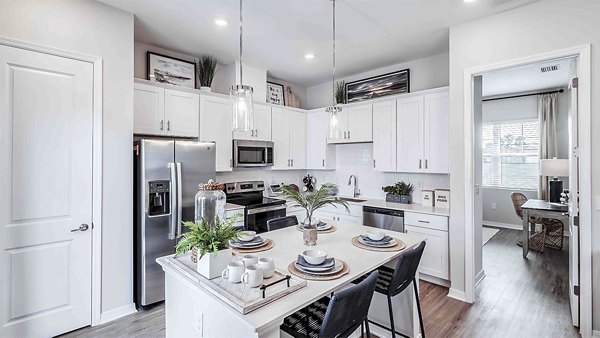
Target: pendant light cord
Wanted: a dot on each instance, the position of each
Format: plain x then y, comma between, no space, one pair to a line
241,54
333,78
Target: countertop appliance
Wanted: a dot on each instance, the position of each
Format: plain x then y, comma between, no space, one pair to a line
166,178
252,153
387,219
257,209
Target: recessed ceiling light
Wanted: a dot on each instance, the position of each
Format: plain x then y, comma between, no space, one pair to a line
309,56
221,22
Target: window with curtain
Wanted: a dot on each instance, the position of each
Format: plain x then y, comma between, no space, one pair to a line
511,154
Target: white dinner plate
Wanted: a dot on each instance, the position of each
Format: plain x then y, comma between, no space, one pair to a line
389,245
327,226
337,268
248,246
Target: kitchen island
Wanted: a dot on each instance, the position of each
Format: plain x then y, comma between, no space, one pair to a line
193,311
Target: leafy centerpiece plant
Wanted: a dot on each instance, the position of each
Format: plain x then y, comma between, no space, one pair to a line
311,201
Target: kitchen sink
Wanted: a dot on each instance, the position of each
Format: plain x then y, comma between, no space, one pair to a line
350,199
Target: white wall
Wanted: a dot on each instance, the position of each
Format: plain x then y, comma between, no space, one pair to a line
529,30
92,28
425,73
505,212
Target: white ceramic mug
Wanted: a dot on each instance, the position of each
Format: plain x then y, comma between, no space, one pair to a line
250,259
267,266
253,276
234,272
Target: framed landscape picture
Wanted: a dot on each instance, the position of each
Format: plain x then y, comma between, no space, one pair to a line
275,93
378,86
170,70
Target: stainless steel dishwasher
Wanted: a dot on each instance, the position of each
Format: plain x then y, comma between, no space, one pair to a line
382,218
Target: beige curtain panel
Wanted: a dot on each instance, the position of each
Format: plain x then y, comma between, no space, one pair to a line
547,106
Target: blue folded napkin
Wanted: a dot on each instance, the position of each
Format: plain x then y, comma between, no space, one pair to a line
254,241
386,240
328,263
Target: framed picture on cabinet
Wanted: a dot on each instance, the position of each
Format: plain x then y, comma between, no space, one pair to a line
170,70
275,93
378,86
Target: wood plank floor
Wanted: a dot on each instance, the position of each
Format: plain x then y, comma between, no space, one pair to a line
517,298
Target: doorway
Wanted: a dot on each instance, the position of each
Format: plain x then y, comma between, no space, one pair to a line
489,171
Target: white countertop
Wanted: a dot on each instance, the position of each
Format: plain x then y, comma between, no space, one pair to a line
371,202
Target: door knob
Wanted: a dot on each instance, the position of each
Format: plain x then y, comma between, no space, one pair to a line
82,227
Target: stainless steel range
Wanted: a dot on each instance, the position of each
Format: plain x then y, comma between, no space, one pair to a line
257,208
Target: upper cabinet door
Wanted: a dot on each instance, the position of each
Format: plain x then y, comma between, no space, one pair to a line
384,136
262,123
360,123
409,125
436,133
319,154
297,132
181,113
215,125
148,109
281,139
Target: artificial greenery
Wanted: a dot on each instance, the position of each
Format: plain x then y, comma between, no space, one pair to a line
400,188
206,237
206,68
340,92
313,200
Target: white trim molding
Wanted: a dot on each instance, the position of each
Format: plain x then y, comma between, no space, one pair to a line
503,225
117,313
480,276
457,294
583,55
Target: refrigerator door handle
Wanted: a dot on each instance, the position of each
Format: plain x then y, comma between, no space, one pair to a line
173,204
179,199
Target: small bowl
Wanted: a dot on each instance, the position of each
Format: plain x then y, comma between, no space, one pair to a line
314,257
247,236
375,235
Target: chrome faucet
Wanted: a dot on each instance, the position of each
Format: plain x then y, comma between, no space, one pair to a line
356,190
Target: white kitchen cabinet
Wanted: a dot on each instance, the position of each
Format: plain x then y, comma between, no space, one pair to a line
164,112
289,139
262,125
434,261
422,133
215,125
355,124
384,136
319,154
327,216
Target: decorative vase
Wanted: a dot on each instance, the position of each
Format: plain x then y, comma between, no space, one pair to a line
205,89
309,232
210,202
211,265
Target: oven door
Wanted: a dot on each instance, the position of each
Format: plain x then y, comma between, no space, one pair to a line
252,153
256,219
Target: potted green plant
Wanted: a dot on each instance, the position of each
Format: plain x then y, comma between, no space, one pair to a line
340,92
399,193
209,245
206,68
311,201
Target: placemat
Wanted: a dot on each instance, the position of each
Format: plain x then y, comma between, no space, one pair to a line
265,247
309,276
330,230
399,245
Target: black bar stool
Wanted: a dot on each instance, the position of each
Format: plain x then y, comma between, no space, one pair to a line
391,282
338,317
281,222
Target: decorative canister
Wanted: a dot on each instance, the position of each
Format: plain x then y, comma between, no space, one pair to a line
309,231
442,198
427,198
210,202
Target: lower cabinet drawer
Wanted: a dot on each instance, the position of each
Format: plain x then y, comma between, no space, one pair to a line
435,257
331,216
426,221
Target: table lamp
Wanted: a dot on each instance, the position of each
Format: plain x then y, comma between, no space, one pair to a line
556,168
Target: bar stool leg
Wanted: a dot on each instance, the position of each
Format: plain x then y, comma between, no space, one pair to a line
419,308
362,330
391,316
367,327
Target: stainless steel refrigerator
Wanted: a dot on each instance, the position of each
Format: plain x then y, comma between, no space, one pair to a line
166,178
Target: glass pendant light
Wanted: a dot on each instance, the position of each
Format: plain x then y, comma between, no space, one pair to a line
334,109
241,97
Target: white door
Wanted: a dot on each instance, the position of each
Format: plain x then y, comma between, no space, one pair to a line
297,132
409,122
573,205
262,123
216,125
281,139
360,123
181,113
384,136
46,184
148,109
435,126
435,256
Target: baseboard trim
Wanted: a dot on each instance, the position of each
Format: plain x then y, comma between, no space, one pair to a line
456,294
480,276
434,280
596,333
503,225
117,313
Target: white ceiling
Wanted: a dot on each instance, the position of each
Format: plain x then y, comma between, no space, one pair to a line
277,33
526,78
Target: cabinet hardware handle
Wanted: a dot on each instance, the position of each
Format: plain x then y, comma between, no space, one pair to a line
344,135
420,162
292,162
323,161
288,162
426,164
420,221
252,131
374,163
169,125
256,132
161,124
348,133
231,162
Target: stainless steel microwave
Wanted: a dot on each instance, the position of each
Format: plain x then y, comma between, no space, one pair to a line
252,153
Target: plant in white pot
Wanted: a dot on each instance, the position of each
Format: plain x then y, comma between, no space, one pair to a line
206,68
209,245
